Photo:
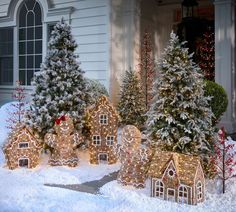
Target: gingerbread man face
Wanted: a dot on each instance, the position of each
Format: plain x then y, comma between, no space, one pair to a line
131,137
64,125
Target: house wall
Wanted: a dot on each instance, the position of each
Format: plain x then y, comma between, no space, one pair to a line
89,21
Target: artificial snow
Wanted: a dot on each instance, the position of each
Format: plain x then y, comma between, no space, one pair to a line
24,190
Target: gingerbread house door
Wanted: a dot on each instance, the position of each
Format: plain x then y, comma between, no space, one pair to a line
171,194
23,162
103,158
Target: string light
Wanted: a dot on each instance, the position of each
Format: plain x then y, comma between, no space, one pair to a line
63,142
22,145
103,109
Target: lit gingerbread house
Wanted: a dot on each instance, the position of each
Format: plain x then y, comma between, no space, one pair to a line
177,177
63,142
23,148
103,120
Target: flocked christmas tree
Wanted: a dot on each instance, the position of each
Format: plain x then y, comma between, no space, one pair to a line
179,118
131,106
60,87
206,55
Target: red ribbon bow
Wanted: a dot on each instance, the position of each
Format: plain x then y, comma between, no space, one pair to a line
58,120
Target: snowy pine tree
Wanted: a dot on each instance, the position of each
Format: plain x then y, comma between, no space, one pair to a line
180,118
60,87
131,106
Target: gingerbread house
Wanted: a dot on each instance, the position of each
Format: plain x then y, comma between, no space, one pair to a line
103,120
23,148
134,158
63,142
177,177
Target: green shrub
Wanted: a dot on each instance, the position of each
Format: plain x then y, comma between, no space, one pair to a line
219,101
96,89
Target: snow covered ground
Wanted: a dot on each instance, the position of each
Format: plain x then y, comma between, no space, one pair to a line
24,190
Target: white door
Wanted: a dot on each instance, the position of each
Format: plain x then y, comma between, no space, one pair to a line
170,194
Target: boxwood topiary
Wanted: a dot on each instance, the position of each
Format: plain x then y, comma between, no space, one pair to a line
219,101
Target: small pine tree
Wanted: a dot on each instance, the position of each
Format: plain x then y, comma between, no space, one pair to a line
147,68
60,86
131,105
206,55
180,118
17,112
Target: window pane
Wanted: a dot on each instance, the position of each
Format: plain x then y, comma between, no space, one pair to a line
30,74
6,56
38,61
22,34
30,61
22,48
22,62
30,4
38,32
22,15
30,33
38,47
22,76
30,47
30,19
38,16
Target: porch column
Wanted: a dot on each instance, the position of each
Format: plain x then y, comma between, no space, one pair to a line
125,41
225,57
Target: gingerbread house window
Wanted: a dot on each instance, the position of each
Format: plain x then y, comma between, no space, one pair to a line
171,173
24,162
96,140
103,119
199,191
159,191
23,145
183,194
110,140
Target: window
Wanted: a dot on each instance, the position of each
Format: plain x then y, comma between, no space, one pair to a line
96,140
103,158
110,140
103,119
159,191
30,40
199,191
6,56
23,145
24,162
183,194
171,173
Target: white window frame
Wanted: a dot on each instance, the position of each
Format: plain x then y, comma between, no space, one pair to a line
157,189
102,153
199,191
25,158
183,199
110,142
103,119
97,140
23,142
171,169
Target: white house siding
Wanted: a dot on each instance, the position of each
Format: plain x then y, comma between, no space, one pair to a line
89,20
90,27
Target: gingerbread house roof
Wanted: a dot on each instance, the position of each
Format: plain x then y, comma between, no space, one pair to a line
103,102
19,130
186,166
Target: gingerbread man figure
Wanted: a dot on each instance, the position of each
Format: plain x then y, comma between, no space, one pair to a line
63,142
134,158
